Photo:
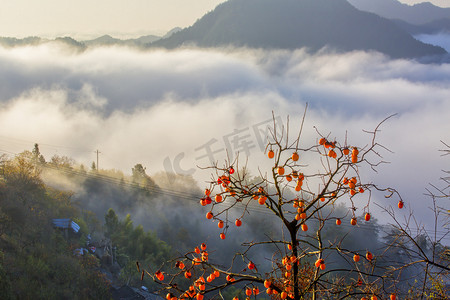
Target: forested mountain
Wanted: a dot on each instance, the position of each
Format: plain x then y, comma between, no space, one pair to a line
420,13
290,24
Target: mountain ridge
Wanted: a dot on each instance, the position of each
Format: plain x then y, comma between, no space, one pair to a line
291,24
416,14
281,24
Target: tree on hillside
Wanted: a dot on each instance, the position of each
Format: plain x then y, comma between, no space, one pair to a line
303,191
38,158
138,173
140,177
422,254
132,244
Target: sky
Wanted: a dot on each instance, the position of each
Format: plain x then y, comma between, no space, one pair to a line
85,19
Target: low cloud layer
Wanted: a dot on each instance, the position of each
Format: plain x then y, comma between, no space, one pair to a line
167,109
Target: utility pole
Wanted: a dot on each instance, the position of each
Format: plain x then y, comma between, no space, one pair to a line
97,157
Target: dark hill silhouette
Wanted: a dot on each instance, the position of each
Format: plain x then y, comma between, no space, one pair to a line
291,24
438,26
107,40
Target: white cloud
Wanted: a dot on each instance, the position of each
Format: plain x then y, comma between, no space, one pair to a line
158,106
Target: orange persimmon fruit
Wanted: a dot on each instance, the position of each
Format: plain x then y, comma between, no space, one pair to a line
187,274
159,275
318,262
220,224
262,200
218,198
179,265
332,154
255,291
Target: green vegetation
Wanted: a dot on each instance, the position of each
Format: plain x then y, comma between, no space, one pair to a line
38,261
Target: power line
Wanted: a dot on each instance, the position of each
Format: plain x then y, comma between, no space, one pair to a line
197,196
27,142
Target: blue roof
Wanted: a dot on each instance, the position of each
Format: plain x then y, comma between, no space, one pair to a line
66,223
75,226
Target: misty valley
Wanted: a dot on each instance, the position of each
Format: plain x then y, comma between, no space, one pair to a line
144,220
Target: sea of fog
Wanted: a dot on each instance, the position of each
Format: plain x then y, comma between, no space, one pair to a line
178,110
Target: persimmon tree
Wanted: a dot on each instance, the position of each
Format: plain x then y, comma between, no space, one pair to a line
302,190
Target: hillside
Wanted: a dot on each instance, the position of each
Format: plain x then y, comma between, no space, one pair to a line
291,24
434,27
107,40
